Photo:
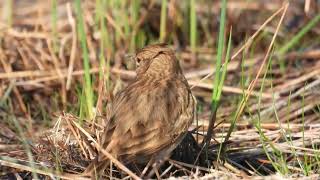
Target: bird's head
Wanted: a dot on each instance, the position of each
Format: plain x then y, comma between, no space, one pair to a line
156,60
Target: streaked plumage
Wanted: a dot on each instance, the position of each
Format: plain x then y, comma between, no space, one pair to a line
152,114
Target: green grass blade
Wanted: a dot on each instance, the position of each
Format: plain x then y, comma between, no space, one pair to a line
223,76
223,71
135,6
215,92
86,63
163,20
296,39
219,54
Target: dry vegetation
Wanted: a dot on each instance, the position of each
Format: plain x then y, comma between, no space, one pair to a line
270,97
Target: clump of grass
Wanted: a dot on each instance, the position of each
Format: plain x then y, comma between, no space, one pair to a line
135,39
88,91
104,52
245,97
220,73
20,131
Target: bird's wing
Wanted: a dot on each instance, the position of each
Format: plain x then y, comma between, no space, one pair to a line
146,122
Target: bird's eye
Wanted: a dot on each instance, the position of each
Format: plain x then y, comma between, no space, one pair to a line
138,60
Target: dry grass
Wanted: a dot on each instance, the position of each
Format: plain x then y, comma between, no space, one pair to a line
41,86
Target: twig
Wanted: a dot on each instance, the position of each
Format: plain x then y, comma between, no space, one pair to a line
49,173
248,43
73,46
253,83
107,154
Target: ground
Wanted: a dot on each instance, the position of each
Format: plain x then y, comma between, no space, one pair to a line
62,62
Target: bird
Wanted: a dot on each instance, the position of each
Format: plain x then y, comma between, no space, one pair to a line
150,116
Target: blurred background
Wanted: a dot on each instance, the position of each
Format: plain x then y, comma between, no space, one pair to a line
41,45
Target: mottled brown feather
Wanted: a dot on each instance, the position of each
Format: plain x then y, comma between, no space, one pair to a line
153,113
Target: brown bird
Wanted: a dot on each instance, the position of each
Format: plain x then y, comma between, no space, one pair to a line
151,115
